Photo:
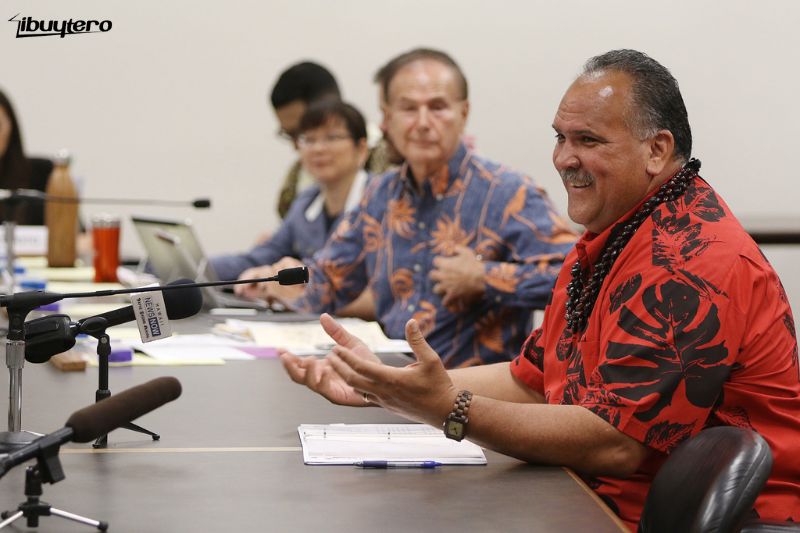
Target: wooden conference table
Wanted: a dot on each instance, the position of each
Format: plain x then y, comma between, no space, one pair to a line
229,460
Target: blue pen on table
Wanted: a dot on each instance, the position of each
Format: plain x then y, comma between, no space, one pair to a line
398,464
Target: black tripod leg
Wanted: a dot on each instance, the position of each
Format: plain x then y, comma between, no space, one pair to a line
134,427
103,392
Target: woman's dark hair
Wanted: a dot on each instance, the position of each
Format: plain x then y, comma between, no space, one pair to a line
320,113
14,166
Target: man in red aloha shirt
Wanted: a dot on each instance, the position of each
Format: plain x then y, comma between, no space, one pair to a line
665,319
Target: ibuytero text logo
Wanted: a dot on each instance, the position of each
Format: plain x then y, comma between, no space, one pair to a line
30,27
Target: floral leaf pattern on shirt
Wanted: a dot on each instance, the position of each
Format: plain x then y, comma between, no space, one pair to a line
576,380
490,334
666,435
425,316
702,202
706,288
400,217
624,291
402,284
734,416
336,274
605,405
676,242
566,345
515,205
448,234
487,249
373,234
674,353
532,351
440,181
503,277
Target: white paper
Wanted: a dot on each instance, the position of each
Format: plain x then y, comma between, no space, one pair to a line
195,347
345,444
308,338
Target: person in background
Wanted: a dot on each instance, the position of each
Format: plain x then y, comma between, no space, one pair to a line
17,171
466,246
332,143
295,90
666,318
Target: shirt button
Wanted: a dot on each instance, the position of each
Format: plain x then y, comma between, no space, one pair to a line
410,307
440,197
497,299
417,267
421,225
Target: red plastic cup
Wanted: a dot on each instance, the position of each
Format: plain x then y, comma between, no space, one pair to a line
105,240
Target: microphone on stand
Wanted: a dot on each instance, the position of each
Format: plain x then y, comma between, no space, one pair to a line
87,424
83,426
54,334
32,299
20,304
37,195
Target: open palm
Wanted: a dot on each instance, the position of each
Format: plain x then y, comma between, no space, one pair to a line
318,374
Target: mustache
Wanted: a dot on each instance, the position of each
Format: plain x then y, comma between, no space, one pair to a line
573,176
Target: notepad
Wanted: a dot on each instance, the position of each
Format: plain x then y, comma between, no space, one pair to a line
347,444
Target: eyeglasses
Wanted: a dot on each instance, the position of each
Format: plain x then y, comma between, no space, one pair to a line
307,141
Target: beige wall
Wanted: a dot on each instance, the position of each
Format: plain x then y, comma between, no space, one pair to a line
172,101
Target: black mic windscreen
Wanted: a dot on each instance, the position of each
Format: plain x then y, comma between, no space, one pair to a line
202,203
293,276
107,415
182,303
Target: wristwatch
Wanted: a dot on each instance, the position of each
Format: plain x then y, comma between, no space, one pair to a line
455,425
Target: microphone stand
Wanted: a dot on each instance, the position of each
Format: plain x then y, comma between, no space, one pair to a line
10,228
20,304
18,307
47,470
96,327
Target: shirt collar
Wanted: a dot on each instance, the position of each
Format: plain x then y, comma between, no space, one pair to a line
314,209
442,179
591,245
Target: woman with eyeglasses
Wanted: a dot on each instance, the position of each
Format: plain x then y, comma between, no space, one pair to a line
332,143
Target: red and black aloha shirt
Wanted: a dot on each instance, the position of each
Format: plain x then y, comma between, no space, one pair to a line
691,329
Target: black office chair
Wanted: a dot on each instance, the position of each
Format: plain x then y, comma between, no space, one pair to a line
709,483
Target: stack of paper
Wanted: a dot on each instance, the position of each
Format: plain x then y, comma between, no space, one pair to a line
346,444
308,338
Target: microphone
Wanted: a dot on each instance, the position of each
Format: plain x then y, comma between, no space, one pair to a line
32,299
292,276
107,415
50,335
96,420
34,194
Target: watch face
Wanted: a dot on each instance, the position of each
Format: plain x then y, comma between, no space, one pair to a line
455,429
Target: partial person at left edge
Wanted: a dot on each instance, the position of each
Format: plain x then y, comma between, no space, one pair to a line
18,171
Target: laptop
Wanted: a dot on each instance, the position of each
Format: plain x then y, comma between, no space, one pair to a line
174,252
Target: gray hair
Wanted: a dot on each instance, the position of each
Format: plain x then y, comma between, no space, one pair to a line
656,97
386,73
